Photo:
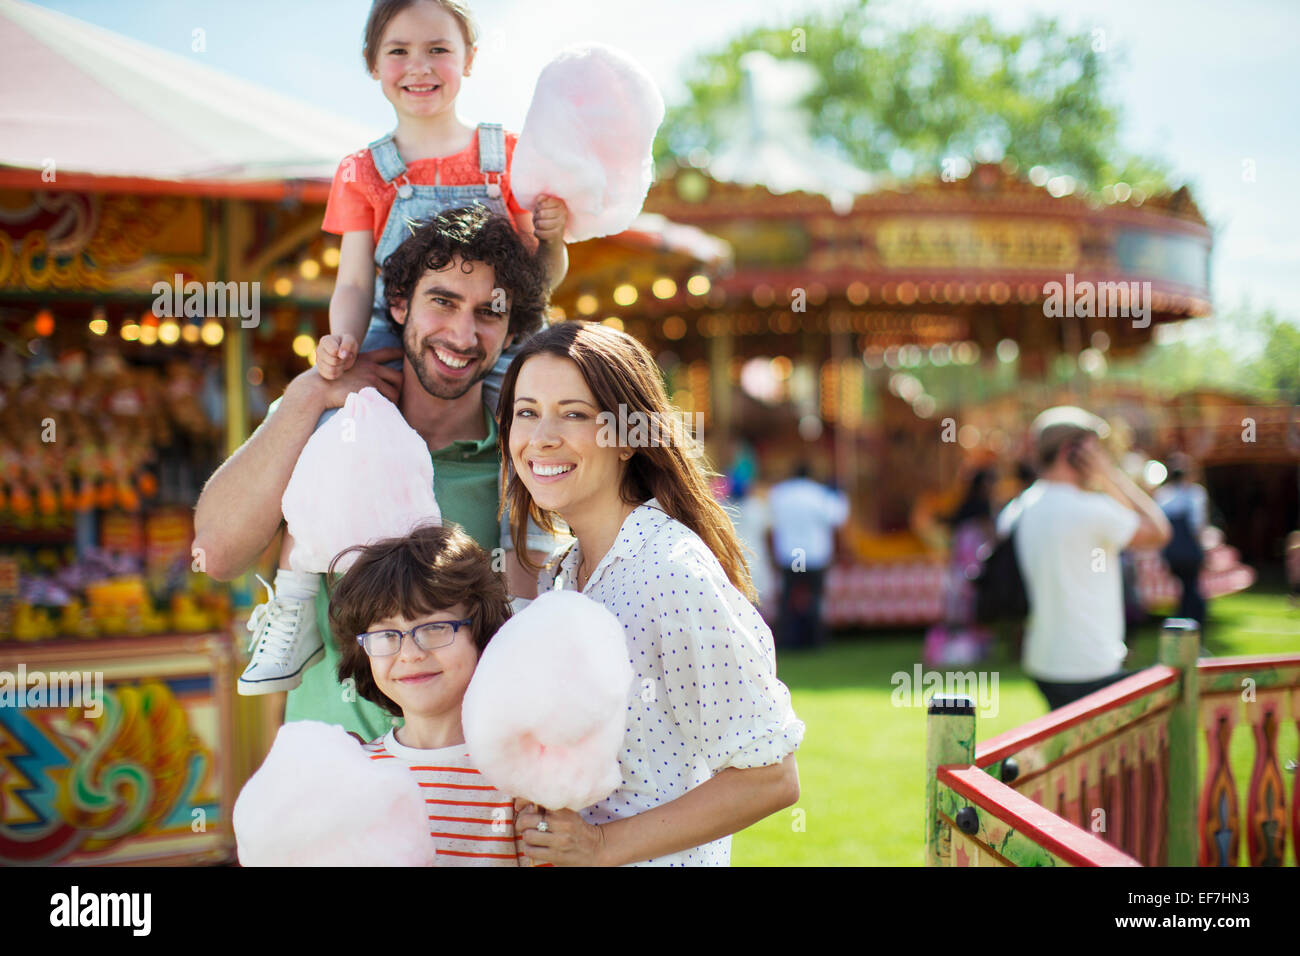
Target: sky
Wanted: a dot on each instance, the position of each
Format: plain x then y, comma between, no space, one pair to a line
1209,87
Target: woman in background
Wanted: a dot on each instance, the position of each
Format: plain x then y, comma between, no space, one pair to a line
958,639
1186,505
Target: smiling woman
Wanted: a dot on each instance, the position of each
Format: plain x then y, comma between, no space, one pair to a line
709,743
607,373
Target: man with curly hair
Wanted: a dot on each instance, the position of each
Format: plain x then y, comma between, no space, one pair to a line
434,270
461,290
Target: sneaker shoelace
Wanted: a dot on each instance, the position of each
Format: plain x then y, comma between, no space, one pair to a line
274,625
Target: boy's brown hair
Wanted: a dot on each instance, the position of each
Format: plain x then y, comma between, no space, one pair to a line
383,11
431,569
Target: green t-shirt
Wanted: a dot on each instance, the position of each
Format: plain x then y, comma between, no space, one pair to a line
465,482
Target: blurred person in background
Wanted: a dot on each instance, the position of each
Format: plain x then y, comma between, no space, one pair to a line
958,639
805,515
1026,475
1068,540
753,522
1186,505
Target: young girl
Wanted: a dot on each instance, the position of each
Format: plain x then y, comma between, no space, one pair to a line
418,50
710,736
412,615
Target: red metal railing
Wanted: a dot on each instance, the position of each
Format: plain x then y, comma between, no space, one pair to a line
1120,768
1007,814
1254,691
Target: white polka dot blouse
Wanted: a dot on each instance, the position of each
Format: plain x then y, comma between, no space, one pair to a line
706,696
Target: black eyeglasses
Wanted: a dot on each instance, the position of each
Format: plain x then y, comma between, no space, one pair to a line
428,637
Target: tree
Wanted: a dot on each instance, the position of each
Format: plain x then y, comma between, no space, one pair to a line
1240,350
904,100
1277,367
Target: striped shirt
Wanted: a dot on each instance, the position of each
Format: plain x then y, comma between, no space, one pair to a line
471,822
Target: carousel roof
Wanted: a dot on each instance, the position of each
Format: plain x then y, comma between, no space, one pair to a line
95,102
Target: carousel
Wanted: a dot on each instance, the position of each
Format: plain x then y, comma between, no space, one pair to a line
808,345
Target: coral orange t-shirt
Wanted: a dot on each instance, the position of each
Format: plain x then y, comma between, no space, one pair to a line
360,199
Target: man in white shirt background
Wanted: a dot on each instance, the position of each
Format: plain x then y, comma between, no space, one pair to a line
1068,543
805,515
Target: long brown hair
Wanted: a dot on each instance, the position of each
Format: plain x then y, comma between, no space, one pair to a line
624,378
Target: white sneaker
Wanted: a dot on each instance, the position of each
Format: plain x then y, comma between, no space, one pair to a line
285,643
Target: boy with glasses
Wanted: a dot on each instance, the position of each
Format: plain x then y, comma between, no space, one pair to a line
411,617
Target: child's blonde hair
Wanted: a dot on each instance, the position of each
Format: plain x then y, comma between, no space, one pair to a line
383,11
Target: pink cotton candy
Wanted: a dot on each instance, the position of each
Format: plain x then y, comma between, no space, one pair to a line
319,800
364,475
546,712
587,140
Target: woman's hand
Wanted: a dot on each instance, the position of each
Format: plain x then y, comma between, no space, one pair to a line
569,840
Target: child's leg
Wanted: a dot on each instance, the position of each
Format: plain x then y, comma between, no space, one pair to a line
286,639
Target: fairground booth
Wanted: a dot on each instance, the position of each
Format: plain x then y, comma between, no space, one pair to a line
162,276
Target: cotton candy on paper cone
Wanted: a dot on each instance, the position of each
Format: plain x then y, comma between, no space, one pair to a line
545,714
319,800
587,139
363,476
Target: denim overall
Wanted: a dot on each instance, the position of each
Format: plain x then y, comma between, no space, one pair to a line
414,204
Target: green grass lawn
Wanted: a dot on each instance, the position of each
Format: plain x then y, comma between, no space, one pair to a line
862,762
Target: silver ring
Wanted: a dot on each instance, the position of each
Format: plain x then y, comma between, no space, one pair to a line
542,827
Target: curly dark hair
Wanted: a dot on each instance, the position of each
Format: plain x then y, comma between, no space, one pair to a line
476,235
433,568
